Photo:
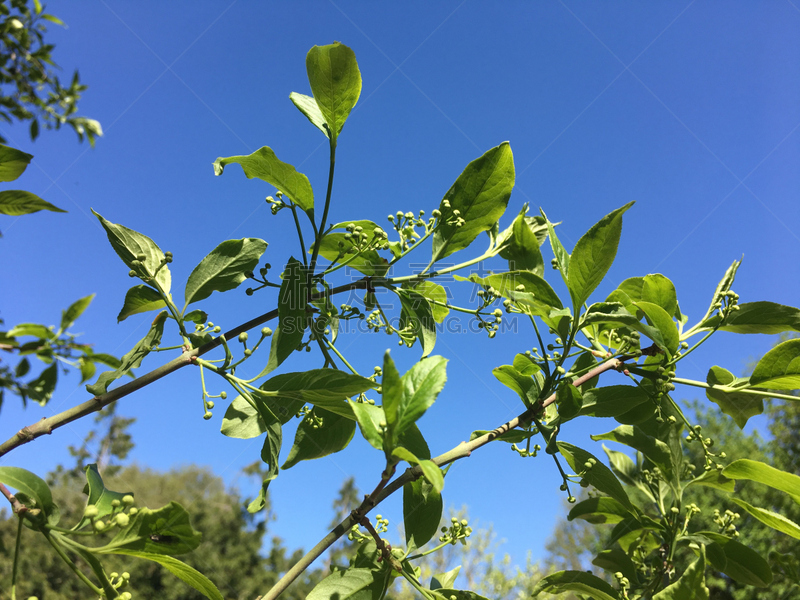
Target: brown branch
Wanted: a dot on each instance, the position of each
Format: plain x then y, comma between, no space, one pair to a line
49,424
463,450
18,507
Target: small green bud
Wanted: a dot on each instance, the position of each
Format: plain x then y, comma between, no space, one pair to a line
217,329
207,415
115,503
122,520
99,526
223,394
266,331
131,273
133,510
249,291
243,337
210,404
127,500
91,511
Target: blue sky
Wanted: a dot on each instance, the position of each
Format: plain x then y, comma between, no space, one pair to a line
690,108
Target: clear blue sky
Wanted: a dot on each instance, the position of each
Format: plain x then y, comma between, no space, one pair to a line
690,108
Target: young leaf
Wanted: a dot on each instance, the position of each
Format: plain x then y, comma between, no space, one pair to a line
616,313
181,570
737,561
760,472
740,407
138,299
368,262
335,83
559,252
524,288
416,313
480,194
599,475
580,582
714,479
13,163
420,387
601,509
291,315
350,584
525,385
592,256
691,584
130,245
75,310
391,391
757,317
32,486
422,512
654,449
432,474
20,202
242,420
658,318
569,401
369,418
445,580
771,519
163,531
614,560
308,106
779,369
263,164
519,244
98,495
133,358
32,329
41,389
327,388
724,285
433,292
224,268
319,434
612,401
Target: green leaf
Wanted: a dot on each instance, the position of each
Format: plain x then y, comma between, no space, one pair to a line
391,391
319,434
224,268
526,387
133,358
654,288
737,561
419,388
690,585
714,479
292,317
75,310
369,419
139,299
20,202
658,318
612,401
523,287
41,389
445,580
242,420
181,570
163,531
32,486
450,594
615,313
593,255
308,106
771,519
335,246
196,316
335,83
327,388
433,291
513,436
519,244
740,407
579,582
480,194
350,584
569,401
559,252
654,449
33,329
724,285
614,560
757,317
422,512
263,164
760,472
432,474
130,244
599,476
13,163
416,313
601,509
98,495
779,369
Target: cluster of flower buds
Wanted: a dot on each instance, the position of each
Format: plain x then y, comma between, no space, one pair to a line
727,304
117,518
357,240
458,531
276,205
695,435
406,224
627,342
726,522
451,217
262,280
140,270
524,452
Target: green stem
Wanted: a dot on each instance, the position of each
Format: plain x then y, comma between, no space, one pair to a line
422,276
293,208
402,255
15,566
321,230
748,391
339,354
60,551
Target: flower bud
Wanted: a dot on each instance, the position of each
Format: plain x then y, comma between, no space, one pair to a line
127,500
91,511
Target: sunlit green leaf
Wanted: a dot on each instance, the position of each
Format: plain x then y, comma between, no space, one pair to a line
579,582
75,310
181,570
350,584
224,268
34,487
138,299
338,245
20,202
422,512
99,496
601,509
658,318
242,420
335,83
737,561
519,244
480,194
779,369
599,476
612,401
740,407
593,255
292,318
757,317
369,418
771,519
319,434
417,315
760,472
263,164
308,106
163,531
13,163
690,585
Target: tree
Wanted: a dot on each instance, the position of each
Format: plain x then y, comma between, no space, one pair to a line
638,330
